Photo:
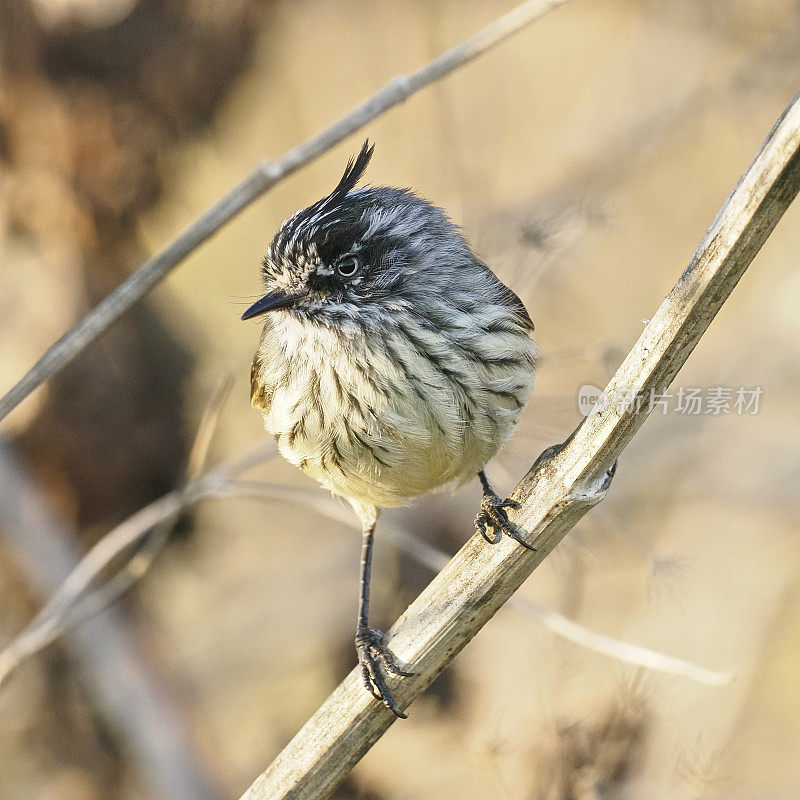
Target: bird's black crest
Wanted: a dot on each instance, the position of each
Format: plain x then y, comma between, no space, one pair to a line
352,173
314,222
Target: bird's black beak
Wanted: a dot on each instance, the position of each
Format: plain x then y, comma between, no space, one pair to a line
272,301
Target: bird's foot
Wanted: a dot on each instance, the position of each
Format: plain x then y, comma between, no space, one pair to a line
372,653
493,514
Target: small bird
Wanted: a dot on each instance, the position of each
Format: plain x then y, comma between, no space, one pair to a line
393,362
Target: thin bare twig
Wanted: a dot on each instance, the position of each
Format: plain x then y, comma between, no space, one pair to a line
619,649
562,485
77,604
73,603
70,604
124,688
434,559
260,180
198,455
88,605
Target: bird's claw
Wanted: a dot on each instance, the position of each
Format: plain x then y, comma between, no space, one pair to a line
372,652
493,515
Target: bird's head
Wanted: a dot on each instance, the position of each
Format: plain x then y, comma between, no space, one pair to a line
356,251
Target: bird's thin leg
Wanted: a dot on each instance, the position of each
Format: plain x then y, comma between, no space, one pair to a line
493,515
372,652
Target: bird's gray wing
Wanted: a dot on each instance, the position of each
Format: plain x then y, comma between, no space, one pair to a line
267,371
260,392
520,312
509,298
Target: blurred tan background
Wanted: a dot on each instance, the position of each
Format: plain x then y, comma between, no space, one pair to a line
584,158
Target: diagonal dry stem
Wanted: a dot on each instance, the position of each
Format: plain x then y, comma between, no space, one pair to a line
557,491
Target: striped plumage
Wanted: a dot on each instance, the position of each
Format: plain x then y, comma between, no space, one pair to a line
393,362
409,382
389,406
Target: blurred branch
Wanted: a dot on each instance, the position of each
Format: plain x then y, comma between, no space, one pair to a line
619,649
83,606
568,629
561,486
70,604
123,686
73,603
261,179
435,560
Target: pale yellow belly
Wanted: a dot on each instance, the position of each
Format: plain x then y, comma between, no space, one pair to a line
382,427
404,449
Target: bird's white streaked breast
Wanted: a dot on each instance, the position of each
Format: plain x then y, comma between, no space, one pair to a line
383,416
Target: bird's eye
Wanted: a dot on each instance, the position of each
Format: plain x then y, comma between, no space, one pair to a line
348,267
